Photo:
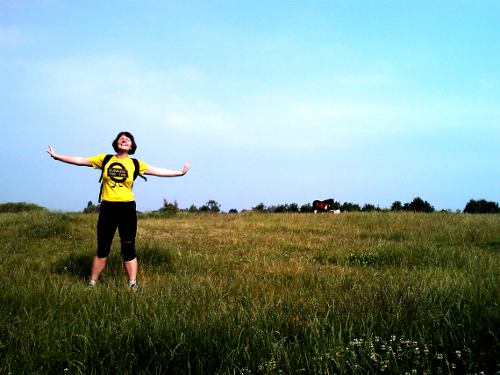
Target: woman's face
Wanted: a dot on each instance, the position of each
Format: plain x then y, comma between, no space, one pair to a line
124,143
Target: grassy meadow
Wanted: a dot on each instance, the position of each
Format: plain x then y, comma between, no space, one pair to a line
250,293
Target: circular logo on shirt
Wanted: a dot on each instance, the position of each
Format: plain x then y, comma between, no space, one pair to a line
117,172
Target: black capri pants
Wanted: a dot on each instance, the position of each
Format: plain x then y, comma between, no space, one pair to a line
121,215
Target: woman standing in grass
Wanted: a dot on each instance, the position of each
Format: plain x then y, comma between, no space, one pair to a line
118,208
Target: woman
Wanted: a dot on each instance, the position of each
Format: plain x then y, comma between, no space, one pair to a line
118,208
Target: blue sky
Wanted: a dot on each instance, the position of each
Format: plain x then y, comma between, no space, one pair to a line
271,101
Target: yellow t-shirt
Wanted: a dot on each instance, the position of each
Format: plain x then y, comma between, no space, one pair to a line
117,177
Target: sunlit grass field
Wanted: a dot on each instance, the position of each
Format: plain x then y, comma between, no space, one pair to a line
250,293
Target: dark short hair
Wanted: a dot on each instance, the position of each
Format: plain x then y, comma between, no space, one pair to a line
128,135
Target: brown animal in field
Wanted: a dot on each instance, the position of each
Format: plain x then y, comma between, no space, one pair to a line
323,206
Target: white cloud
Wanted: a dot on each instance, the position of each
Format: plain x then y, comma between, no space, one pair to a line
191,73
9,36
122,89
125,92
356,80
308,126
348,111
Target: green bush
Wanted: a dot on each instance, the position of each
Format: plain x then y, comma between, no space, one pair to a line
91,208
14,207
481,206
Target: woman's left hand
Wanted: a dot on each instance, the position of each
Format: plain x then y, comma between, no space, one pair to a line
186,167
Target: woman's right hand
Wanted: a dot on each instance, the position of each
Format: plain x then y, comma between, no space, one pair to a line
52,152
76,160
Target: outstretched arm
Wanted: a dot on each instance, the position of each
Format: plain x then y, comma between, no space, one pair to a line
163,172
76,160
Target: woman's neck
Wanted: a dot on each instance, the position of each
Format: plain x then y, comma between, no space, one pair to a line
122,155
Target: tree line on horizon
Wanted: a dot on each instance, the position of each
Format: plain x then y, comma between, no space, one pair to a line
416,205
480,206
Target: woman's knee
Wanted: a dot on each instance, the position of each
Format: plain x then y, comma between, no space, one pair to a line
128,251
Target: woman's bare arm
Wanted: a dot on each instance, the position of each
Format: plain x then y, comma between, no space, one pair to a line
76,160
164,172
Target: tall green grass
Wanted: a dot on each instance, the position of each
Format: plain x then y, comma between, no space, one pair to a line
254,294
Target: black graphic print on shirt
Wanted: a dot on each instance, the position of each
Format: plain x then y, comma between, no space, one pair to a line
117,172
